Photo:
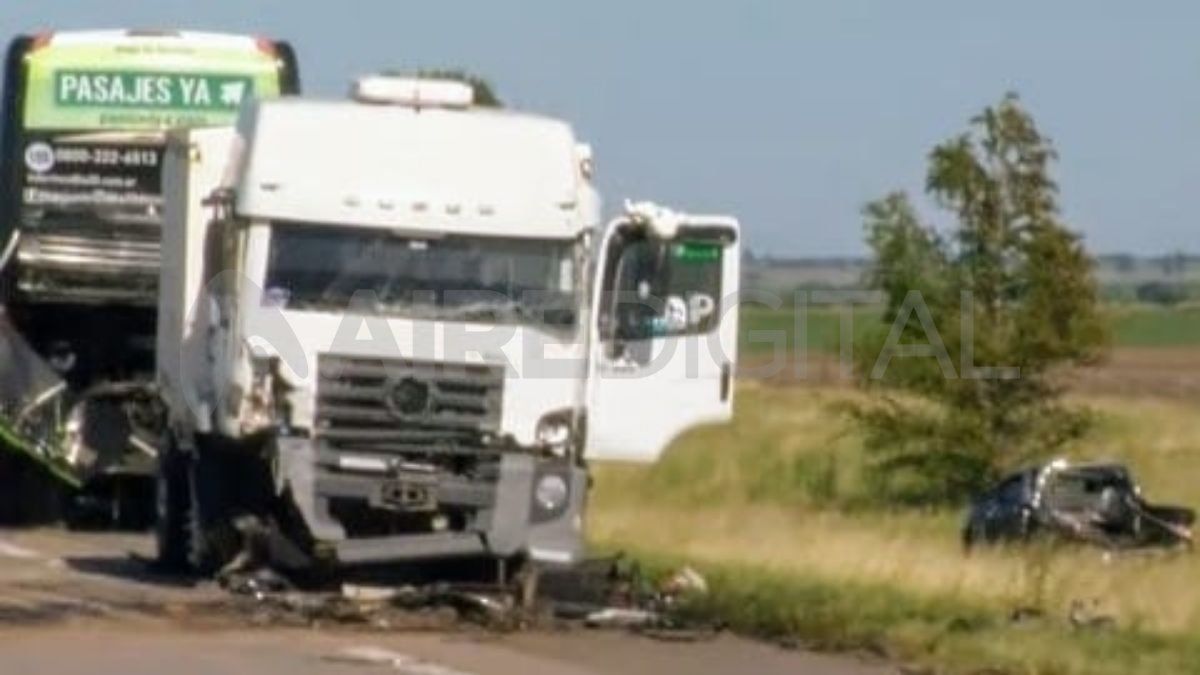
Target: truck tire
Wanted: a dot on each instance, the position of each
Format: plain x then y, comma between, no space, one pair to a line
173,502
213,539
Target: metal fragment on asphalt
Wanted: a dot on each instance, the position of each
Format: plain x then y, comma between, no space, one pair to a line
403,663
10,550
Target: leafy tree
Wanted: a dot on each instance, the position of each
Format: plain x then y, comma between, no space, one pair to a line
976,319
485,95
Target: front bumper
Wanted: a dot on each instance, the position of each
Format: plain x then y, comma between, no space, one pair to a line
504,519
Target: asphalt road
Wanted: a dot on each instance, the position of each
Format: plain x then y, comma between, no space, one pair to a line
78,603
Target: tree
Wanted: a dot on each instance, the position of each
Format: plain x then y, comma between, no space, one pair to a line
485,95
976,320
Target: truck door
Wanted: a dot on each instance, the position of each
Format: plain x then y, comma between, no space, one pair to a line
664,334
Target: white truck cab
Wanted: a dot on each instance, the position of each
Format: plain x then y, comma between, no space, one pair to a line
396,327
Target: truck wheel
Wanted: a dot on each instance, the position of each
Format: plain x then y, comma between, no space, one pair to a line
212,539
173,503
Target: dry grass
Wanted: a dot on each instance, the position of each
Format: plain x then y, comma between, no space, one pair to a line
756,493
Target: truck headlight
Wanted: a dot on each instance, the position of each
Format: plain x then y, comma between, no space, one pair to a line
556,432
551,493
267,404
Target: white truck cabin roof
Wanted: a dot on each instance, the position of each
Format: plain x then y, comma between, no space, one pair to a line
404,168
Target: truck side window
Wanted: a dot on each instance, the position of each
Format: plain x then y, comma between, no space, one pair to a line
692,275
664,289
637,292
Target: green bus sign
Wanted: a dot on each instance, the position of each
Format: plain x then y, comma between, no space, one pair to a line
123,87
150,90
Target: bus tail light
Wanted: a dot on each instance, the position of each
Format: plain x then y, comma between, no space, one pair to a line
266,46
41,40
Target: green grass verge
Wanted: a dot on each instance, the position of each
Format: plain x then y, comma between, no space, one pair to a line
1156,327
941,634
773,510
822,328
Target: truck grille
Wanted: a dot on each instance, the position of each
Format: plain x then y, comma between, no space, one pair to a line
401,406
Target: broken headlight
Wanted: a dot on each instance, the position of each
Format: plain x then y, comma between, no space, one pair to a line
267,404
556,433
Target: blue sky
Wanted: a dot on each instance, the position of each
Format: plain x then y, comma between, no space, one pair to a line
789,114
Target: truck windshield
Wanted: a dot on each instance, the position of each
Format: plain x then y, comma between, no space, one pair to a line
463,278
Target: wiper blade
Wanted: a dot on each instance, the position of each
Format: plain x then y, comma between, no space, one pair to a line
482,309
551,314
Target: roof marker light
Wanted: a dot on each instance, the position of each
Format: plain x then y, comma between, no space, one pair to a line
41,41
266,46
413,92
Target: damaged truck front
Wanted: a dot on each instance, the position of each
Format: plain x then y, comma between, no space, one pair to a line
394,329
84,120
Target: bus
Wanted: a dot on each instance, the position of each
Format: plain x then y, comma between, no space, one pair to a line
85,120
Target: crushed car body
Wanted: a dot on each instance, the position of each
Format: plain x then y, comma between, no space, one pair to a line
1098,504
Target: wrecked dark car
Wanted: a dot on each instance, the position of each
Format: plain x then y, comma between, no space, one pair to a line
1097,504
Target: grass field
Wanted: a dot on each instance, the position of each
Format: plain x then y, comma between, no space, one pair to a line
1156,327
1132,326
771,506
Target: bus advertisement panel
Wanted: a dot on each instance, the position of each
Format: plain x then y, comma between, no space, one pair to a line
93,113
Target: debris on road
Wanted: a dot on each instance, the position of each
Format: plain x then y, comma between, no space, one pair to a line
622,617
10,550
377,656
1088,616
605,593
615,593
686,581
1098,504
